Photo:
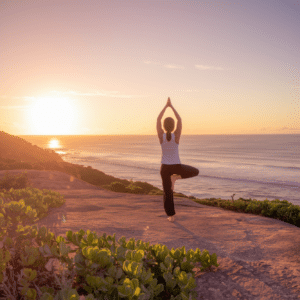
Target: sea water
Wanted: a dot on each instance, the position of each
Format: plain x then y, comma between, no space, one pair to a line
250,166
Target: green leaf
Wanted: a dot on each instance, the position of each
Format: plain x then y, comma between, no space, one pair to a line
31,294
137,292
138,255
63,249
31,260
29,274
90,238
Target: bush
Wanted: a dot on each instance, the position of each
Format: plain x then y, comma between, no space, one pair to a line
132,188
146,187
156,192
118,187
20,165
15,182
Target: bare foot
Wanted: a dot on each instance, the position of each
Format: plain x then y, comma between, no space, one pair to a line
174,177
171,219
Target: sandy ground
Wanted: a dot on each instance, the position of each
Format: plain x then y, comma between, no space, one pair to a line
258,256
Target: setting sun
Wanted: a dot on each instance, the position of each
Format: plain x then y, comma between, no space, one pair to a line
54,144
52,115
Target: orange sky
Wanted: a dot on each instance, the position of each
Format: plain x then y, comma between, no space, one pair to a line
108,67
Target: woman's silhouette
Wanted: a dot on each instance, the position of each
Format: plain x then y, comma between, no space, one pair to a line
171,168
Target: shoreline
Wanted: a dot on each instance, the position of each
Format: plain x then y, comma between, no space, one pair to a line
214,185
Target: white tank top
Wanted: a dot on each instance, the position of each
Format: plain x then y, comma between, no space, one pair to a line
170,154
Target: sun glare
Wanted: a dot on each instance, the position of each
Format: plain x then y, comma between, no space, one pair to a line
52,116
54,144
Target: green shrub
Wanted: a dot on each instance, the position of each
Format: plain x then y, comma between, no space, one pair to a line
118,187
156,192
132,188
146,187
16,182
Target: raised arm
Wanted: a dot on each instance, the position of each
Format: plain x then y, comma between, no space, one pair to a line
158,123
162,113
177,132
176,113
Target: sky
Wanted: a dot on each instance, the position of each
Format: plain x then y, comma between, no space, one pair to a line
108,67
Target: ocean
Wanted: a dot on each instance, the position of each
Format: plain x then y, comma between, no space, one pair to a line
250,166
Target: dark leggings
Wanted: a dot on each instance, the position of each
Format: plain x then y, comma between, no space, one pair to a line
166,171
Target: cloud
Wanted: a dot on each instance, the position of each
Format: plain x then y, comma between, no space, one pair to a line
279,129
202,67
192,91
173,67
168,66
113,94
290,129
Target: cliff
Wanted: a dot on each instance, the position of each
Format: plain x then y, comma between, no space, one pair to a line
15,148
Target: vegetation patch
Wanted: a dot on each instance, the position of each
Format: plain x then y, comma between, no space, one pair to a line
102,268
276,209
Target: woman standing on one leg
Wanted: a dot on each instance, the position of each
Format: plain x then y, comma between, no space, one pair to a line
171,168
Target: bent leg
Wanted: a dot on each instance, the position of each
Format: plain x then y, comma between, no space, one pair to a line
186,171
174,177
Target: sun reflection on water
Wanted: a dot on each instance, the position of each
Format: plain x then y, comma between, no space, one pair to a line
54,144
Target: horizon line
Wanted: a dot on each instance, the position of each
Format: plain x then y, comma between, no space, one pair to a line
51,135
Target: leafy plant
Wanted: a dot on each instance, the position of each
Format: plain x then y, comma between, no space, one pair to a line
118,187
277,209
101,269
16,182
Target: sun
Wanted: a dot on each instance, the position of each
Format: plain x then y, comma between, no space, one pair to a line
52,116
54,144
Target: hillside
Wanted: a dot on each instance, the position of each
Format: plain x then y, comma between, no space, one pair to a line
15,148
18,154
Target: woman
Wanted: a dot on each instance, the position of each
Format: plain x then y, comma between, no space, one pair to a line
171,168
